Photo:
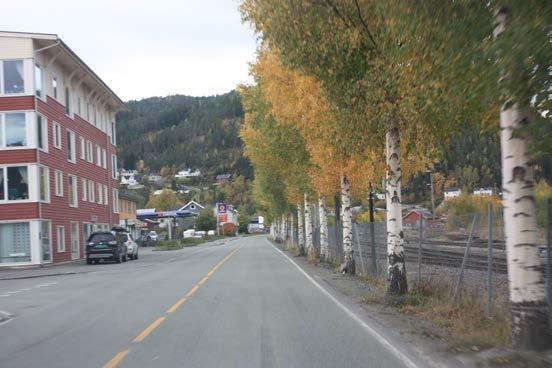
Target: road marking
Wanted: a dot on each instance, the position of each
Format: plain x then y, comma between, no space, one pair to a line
382,340
149,329
3,296
13,292
26,289
117,359
176,305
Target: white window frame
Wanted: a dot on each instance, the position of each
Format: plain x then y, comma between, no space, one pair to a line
98,156
57,135
89,152
68,103
32,194
71,142
106,195
91,191
115,200
25,76
82,142
60,239
58,179
54,91
73,190
42,94
44,128
114,166
28,129
45,184
99,188
113,134
104,158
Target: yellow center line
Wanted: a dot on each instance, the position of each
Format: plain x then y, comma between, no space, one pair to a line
176,305
149,329
117,359
122,354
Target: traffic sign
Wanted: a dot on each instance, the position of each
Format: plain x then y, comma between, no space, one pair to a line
221,208
223,218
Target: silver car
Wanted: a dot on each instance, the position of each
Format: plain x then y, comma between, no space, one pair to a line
132,246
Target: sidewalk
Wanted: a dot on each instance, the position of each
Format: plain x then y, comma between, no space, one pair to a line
28,272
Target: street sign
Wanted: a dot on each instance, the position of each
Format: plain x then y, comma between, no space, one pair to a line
223,218
221,208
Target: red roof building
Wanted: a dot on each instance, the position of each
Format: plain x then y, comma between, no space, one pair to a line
58,154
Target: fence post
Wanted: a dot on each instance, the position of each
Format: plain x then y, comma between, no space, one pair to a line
489,259
420,237
548,257
465,260
372,232
357,238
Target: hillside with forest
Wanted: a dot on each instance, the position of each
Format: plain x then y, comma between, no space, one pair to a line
183,131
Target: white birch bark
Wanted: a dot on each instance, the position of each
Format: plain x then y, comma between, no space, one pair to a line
284,228
292,231
308,228
395,236
323,228
529,326
347,219
301,237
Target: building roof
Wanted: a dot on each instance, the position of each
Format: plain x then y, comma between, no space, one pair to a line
126,197
189,204
47,39
425,213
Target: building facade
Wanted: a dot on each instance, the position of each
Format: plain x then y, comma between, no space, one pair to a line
58,155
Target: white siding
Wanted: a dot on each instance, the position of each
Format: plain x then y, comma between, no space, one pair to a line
16,48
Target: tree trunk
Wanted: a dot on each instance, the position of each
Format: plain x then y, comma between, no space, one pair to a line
284,228
526,270
349,262
395,236
301,236
323,228
292,231
308,229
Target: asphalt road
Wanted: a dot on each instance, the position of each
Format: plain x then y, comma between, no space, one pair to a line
240,303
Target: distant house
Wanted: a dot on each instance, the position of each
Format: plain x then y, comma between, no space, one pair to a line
188,173
154,178
224,178
412,217
159,191
451,193
380,196
483,192
127,215
128,177
193,207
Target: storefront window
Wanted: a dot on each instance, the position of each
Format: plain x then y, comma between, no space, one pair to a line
15,243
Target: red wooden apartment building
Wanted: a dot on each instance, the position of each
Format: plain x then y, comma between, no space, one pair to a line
58,155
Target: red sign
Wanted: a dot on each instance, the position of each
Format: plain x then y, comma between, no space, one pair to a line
223,218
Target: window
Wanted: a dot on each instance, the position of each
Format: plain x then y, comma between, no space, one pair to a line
44,183
79,106
89,152
54,88
98,156
67,101
13,77
114,166
16,180
57,135
88,111
91,192
45,241
13,130
59,183
84,190
73,193
60,232
106,196
104,158
100,193
75,252
15,242
71,147
39,81
113,134
82,148
115,200
42,133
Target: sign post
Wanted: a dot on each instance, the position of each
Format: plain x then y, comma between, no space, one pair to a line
222,215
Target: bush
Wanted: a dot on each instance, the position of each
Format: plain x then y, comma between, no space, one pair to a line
168,245
460,210
244,221
206,220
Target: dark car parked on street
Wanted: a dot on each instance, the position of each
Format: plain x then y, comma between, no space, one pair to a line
106,246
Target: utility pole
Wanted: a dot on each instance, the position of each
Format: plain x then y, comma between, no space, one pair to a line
432,195
372,232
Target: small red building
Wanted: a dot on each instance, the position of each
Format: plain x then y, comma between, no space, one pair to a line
412,217
58,155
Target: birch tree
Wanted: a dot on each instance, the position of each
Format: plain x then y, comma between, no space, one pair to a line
324,245
300,229
308,229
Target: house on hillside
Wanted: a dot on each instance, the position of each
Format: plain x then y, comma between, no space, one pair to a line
128,177
483,192
451,193
188,173
224,178
193,207
412,218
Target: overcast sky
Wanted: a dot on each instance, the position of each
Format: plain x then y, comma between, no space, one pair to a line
144,48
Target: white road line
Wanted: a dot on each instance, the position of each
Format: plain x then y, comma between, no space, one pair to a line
13,292
25,289
3,296
396,352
